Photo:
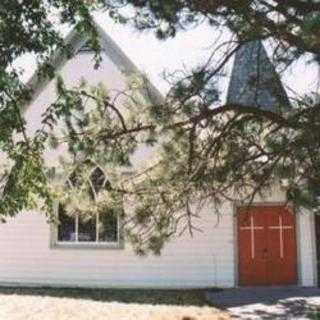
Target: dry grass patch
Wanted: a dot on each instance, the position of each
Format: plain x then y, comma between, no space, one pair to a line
77,304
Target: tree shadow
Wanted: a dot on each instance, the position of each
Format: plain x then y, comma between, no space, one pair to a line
282,310
269,302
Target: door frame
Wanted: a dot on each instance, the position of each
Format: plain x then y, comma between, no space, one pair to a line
236,206
315,249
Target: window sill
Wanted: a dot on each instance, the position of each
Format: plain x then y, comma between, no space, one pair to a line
87,246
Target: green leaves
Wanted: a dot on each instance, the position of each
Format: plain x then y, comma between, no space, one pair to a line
26,27
202,151
26,183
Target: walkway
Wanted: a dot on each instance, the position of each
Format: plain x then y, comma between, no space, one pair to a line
276,303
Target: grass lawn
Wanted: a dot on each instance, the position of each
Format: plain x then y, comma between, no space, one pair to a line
111,304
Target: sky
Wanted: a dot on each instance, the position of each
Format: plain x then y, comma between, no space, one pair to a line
187,50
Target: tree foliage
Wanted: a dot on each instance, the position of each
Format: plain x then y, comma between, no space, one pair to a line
205,151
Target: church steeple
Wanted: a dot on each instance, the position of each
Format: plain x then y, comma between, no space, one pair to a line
254,80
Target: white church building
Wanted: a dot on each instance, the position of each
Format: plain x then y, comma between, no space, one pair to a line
273,247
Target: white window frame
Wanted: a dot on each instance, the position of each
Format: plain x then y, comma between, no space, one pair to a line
89,243
118,244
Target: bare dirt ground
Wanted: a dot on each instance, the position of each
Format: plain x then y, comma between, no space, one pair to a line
76,304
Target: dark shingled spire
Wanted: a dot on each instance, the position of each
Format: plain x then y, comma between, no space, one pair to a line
254,80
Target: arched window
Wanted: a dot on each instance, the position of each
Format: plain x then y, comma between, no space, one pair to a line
101,228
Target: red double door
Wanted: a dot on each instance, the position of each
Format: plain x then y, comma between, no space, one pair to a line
267,246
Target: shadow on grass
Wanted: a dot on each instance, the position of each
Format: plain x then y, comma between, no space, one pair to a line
192,297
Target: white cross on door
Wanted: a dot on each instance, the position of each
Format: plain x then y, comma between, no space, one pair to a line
281,229
252,228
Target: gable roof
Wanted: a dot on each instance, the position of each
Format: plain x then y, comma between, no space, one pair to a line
110,48
254,80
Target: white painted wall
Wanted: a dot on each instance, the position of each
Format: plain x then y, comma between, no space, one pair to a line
207,259
78,68
306,249
201,261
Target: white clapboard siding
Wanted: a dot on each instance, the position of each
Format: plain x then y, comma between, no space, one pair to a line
306,249
208,259
204,260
